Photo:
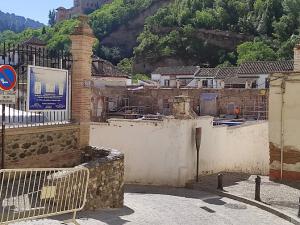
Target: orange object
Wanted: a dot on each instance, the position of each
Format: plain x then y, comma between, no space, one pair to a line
237,111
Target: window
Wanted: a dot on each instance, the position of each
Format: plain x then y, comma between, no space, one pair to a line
167,83
204,83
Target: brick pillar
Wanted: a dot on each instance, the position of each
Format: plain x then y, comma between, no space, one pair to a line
82,44
297,58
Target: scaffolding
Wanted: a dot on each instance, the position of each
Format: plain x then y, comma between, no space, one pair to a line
258,110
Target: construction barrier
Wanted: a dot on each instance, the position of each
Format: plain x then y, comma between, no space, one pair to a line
28,194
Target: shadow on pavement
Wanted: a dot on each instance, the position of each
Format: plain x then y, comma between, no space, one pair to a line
229,179
108,216
179,192
215,201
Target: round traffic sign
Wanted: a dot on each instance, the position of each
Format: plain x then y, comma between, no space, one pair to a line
8,78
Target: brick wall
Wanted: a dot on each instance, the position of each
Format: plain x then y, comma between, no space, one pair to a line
155,100
42,147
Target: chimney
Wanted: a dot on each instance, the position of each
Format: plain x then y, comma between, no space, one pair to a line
297,58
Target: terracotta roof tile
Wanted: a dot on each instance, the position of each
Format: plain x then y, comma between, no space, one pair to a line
208,72
34,41
226,72
266,67
218,73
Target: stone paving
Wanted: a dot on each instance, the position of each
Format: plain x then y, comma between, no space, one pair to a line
281,196
173,206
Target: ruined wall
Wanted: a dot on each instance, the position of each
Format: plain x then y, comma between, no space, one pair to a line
284,126
42,147
155,100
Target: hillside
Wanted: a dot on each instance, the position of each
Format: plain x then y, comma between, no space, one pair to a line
209,33
16,23
124,36
274,25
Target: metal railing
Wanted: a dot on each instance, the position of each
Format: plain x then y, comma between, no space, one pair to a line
27,194
20,57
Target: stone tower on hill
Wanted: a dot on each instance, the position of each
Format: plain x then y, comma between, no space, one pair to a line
79,7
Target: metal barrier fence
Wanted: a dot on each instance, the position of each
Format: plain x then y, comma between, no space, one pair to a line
20,57
27,194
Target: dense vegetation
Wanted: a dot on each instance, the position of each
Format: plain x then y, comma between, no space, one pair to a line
103,21
16,23
109,17
57,37
274,23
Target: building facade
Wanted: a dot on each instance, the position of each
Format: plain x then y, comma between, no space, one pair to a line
79,7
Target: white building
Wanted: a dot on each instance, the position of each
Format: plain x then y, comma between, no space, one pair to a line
256,74
175,76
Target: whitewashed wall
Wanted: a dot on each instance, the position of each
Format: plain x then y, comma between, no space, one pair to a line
163,153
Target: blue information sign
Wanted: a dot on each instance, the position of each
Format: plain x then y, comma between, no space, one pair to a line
47,89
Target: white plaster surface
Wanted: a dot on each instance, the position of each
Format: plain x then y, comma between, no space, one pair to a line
164,152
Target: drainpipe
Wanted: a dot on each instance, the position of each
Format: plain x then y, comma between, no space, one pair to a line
283,86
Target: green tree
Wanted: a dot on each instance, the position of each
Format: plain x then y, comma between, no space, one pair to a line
126,65
255,51
52,16
137,77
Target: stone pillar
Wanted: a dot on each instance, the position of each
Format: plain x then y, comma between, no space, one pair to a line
182,108
82,44
297,58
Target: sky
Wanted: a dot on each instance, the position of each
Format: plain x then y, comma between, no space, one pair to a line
34,9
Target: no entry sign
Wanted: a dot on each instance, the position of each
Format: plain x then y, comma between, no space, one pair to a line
8,78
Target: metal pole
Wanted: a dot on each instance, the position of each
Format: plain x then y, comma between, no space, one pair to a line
220,182
299,209
198,144
197,172
3,137
257,188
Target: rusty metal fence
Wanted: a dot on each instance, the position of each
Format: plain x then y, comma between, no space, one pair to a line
27,194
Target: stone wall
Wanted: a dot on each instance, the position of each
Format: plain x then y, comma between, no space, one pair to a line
156,100
42,147
106,184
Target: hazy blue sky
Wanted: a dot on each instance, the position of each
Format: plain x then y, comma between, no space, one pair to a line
34,9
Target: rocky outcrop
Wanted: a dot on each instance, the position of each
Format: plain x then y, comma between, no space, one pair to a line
17,23
125,36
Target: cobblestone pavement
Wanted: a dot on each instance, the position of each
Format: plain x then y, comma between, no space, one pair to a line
282,196
171,206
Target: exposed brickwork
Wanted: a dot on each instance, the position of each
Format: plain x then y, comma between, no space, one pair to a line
275,153
290,157
286,175
42,147
154,99
82,43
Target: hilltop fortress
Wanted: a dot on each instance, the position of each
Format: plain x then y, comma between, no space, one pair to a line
80,7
